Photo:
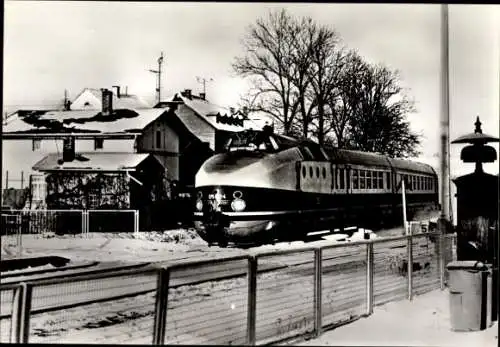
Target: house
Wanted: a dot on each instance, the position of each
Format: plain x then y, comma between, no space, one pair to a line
208,122
91,99
179,134
112,181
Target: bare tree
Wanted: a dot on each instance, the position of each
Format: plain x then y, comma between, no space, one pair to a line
325,70
268,64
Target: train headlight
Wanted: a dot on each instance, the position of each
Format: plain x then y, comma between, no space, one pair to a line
238,205
199,205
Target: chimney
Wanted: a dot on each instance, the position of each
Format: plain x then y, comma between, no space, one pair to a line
186,93
117,91
232,110
245,111
68,149
203,96
107,102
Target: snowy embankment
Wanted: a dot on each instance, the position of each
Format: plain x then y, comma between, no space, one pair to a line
424,321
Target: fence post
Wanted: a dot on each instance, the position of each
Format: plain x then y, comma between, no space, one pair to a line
369,278
442,253
87,223
136,222
409,245
17,307
160,324
24,328
19,235
252,300
317,291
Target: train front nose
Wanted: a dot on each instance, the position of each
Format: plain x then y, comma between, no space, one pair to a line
211,223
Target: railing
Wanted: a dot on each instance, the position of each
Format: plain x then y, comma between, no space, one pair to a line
18,223
253,299
69,221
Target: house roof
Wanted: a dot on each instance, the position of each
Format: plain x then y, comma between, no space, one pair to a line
124,101
209,113
93,161
89,121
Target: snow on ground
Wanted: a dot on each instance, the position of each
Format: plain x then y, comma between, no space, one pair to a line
168,246
425,321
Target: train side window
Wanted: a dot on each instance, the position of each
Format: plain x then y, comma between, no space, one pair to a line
355,184
425,183
368,180
317,171
311,173
324,172
304,171
362,178
341,178
375,180
388,180
380,180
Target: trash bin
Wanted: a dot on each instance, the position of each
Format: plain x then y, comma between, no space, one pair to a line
470,295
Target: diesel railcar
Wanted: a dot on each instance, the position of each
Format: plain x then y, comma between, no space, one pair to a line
265,187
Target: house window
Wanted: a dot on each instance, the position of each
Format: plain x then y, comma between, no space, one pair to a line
158,139
36,144
38,187
98,143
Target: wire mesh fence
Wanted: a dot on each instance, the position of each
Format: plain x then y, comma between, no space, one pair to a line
259,299
111,308
425,263
207,304
6,315
43,221
285,296
344,284
390,270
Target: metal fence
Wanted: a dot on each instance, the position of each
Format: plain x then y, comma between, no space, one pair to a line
253,299
17,224
69,221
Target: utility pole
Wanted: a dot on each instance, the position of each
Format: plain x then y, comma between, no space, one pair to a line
158,76
445,120
203,80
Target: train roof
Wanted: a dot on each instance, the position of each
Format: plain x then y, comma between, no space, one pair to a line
357,157
400,164
377,160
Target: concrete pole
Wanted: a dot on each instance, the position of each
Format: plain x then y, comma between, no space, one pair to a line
445,117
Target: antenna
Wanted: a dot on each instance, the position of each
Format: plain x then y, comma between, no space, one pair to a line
158,75
203,80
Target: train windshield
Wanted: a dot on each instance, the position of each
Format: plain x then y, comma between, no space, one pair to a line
253,141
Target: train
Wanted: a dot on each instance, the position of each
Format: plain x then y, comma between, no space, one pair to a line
263,187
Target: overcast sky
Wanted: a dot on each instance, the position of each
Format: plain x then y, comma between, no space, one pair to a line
52,46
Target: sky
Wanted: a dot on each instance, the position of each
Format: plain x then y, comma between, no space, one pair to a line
53,46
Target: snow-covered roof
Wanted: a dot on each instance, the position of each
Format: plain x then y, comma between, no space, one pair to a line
125,120
124,101
92,161
210,112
